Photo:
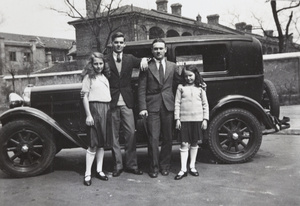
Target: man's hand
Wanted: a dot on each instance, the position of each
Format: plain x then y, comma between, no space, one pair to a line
144,64
144,113
178,124
82,94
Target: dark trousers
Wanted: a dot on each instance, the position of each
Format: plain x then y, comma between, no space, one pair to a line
160,124
123,115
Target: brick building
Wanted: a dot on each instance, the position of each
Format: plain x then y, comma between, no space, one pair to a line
21,52
140,24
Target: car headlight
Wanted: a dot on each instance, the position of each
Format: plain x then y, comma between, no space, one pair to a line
15,100
26,95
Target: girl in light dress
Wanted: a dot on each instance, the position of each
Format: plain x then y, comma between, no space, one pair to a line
96,100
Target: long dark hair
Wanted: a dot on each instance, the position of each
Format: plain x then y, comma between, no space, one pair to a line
89,69
199,82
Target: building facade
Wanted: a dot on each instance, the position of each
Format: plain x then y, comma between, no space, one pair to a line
140,24
23,54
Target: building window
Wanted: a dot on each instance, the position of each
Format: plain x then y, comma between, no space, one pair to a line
12,56
26,57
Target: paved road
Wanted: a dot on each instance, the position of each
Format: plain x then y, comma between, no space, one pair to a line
271,178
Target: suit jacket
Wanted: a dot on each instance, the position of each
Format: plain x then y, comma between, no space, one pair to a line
121,83
152,93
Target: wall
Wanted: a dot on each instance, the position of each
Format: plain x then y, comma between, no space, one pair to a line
284,71
21,81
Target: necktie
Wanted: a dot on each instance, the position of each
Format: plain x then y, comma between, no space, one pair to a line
118,58
161,73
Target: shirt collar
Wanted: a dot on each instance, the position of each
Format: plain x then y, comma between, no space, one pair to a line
115,55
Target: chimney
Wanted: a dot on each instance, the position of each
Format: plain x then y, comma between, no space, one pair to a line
248,28
198,18
2,55
90,6
240,26
162,5
213,19
268,33
176,9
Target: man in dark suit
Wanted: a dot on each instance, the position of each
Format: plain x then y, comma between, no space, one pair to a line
156,101
121,66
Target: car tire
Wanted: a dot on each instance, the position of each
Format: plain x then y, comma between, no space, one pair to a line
270,98
234,136
27,148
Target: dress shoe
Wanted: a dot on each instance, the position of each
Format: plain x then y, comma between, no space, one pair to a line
164,172
194,173
87,182
180,175
153,174
99,176
117,173
134,171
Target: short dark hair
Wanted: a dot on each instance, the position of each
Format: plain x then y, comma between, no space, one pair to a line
198,78
116,35
158,40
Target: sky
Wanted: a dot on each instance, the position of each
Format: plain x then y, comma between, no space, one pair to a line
34,17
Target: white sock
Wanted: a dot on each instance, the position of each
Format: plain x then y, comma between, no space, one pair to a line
193,156
184,153
89,159
100,155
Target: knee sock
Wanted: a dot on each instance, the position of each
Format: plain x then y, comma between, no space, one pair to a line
99,155
89,159
193,156
184,153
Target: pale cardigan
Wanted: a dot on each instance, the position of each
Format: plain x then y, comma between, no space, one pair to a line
191,104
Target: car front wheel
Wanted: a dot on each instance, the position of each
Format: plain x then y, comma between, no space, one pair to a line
234,135
26,148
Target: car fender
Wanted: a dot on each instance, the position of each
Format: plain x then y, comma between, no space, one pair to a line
20,112
247,103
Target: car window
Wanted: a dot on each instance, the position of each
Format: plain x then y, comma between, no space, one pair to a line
207,58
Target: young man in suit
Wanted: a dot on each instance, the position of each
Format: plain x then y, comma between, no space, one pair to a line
121,66
156,101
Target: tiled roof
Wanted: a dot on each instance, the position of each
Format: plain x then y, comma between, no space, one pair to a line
46,42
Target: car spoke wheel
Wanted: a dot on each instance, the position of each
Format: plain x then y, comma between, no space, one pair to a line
270,99
234,136
27,148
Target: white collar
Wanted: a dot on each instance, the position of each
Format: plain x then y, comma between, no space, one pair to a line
115,55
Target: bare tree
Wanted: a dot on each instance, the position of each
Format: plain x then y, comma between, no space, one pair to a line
100,15
284,35
12,71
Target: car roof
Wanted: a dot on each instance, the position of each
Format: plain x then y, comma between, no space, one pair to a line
191,39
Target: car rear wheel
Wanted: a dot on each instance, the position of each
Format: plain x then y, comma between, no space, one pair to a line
234,135
270,99
26,148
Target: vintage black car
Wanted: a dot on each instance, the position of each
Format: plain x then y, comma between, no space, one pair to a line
243,106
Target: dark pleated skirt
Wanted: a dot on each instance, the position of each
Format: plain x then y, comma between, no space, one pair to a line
100,133
191,132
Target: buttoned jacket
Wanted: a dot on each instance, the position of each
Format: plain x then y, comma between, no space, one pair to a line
120,83
152,93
